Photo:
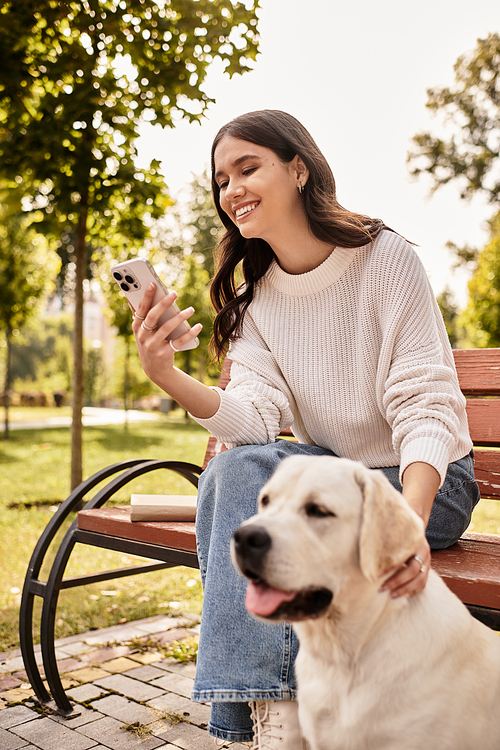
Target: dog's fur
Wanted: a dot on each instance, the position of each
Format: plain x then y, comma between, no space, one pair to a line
374,673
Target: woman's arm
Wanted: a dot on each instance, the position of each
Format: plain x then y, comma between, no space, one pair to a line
420,483
253,409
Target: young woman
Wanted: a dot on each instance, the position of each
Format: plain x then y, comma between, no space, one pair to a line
335,332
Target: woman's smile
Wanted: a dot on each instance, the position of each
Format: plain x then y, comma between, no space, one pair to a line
240,213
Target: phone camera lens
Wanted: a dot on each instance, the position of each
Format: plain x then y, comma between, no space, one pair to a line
129,279
125,287
117,275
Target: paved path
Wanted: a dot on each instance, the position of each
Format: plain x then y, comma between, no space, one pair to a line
92,416
128,695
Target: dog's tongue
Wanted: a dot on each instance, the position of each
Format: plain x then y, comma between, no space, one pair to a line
263,600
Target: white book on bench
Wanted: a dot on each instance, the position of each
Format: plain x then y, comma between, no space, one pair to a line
162,507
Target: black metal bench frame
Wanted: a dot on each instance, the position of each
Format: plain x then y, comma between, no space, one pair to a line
49,590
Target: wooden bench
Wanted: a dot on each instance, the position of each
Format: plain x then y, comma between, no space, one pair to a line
471,567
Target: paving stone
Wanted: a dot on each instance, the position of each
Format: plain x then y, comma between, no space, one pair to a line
139,691
8,682
196,713
178,634
85,717
61,653
123,709
49,735
88,674
20,675
9,741
16,715
159,625
188,737
68,665
14,665
111,734
105,654
73,649
122,664
18,694
148,657
174,683
84,693
68,682
184,668
125,634
146,673
136,682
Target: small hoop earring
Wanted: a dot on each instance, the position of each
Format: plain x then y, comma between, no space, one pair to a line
300,188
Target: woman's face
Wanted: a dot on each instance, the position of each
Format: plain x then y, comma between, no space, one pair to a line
257,190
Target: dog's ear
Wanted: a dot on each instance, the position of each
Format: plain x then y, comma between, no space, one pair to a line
390,530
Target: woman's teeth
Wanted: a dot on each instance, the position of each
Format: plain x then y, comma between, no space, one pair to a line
245,210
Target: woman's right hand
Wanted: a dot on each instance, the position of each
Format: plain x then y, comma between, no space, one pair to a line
155,352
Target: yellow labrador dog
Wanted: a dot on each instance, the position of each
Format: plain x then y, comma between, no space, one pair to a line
374,673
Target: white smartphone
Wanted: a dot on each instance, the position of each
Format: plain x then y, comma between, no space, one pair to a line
133,277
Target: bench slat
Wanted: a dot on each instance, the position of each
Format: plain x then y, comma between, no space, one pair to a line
484,420
116,522
487,472
470,569
478,371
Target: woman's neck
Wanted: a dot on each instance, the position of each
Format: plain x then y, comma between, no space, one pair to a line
302,253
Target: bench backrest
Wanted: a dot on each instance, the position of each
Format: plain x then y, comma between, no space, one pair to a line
479,377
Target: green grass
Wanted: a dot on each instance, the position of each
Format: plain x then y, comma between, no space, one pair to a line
34,465
486,517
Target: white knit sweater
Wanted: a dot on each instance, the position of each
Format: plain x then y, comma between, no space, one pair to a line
354,357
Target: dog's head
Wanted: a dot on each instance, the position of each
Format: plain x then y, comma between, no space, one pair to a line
323,524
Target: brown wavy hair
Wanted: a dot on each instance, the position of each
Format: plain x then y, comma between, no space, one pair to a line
328,220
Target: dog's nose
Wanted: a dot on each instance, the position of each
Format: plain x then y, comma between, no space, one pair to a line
251,543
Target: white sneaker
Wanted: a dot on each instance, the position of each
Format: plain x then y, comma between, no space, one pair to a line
276,726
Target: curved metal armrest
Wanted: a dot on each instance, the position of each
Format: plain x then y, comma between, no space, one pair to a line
191,472
67,507
49,591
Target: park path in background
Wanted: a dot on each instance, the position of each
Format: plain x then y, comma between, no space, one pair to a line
93,416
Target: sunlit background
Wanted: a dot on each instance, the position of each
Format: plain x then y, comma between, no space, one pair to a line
356,75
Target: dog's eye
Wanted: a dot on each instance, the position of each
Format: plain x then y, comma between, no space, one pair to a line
264,500
313,510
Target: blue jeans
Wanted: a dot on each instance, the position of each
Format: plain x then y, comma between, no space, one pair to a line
240,658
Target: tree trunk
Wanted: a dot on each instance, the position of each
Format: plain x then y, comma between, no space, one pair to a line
78,375
187,370
126,380
6,394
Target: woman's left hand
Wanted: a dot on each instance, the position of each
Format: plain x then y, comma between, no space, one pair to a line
410,579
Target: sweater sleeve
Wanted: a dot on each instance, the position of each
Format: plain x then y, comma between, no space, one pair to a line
421,397
255,406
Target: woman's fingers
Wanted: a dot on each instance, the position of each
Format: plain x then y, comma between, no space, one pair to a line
412,577
178,343
148,315
146,320
143,308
